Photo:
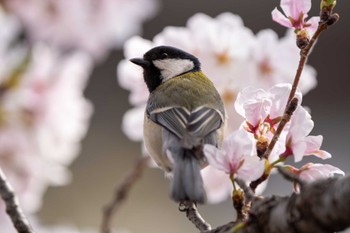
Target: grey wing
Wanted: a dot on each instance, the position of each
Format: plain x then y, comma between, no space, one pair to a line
189,126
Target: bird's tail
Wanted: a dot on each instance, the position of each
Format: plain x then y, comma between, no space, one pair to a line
187,183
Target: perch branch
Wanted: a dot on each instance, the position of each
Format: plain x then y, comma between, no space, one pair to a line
13,209
194,216
121,193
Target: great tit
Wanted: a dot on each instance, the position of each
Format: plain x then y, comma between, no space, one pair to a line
184,111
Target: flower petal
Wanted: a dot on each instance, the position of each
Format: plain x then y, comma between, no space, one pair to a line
252,168
278,17
299,150
238,144
293,8
217,184
313,147
311,172
216,158
253,104
313,24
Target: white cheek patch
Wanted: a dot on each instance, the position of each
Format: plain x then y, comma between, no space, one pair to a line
170,68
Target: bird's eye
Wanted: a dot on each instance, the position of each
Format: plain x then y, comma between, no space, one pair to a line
165,55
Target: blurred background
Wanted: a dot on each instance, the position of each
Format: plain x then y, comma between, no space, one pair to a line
107,154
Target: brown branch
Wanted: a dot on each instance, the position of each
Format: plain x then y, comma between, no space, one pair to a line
121,193
248,192
223,229
194,216
304,53
13,209
290,108
322,207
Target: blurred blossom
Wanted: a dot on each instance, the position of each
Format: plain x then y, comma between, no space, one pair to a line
133,123
275,60
231,56
295,14
43,116
14,53
94,26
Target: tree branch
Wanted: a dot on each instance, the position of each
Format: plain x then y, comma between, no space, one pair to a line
122,192
13,209
322,207
194,216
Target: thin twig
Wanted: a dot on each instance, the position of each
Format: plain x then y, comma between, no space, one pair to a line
121,193
13,209
223,229
194,216
304,53
249,194
292,101
290,108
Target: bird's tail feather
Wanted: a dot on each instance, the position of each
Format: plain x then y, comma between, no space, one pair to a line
187,183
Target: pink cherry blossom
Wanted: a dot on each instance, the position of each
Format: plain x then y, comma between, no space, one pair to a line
315,171
262,111
295,14
130,77
44,117
133,123
299,144
260,107
236,157
217,184
273,61
89,25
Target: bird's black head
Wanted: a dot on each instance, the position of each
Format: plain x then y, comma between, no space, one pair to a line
163,63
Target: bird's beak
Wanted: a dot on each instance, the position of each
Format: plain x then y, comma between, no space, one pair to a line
140,62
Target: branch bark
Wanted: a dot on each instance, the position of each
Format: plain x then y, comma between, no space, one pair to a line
194,216
13,209
322,207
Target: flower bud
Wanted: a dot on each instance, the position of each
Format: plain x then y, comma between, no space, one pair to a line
332,19
302,39
328,4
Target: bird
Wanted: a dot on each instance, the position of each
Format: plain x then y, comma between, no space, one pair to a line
184,112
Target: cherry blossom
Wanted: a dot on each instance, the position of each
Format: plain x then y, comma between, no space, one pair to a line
299,143
262,111
90,25
273,61
311,172
295,14
44,117
133,123
217,184
130,76
236,157
10,28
